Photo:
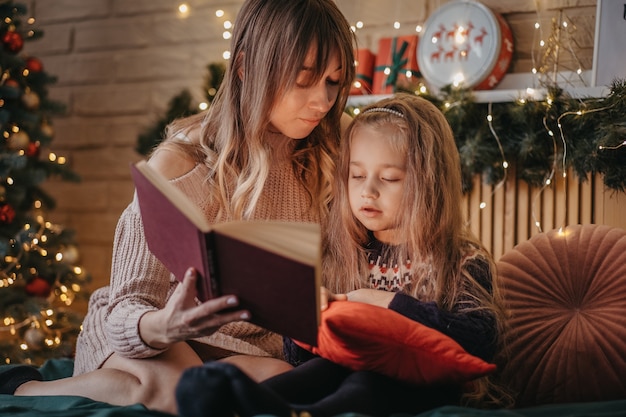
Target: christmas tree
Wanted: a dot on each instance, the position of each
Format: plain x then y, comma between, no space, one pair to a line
181,106
39,275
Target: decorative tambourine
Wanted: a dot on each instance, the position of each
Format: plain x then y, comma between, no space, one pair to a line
465,44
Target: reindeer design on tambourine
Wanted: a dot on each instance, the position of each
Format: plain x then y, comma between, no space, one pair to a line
455,38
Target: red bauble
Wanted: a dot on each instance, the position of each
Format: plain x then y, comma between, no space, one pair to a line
13,41
7,213
32,150
33,64
12,82
38,287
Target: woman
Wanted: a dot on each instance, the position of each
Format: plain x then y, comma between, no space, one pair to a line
264,150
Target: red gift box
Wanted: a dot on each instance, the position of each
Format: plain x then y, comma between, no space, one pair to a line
396,64
364,72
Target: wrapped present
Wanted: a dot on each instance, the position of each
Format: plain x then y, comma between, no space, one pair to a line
364,72
396,64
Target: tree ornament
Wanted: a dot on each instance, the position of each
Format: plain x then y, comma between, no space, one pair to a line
32,150
18,140
38,287
70,254
7,212
47,129
13,42
31,100
34,64
12,83
35,338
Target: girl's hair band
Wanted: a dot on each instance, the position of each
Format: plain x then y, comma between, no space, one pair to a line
384,110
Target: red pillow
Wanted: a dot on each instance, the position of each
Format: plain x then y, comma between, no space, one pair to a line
367,337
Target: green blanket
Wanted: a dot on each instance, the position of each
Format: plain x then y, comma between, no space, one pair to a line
72,406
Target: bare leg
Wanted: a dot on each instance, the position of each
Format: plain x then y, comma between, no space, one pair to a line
123,381
258,368
150,381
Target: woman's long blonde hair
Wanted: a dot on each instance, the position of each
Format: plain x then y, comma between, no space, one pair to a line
271,39
431,221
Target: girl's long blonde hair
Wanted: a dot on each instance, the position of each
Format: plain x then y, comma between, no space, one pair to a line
431,220
271,39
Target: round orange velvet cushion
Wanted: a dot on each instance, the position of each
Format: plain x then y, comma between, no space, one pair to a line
567,298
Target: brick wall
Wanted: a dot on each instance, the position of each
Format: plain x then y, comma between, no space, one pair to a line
119,62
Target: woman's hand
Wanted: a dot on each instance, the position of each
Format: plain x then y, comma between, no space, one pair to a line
370,296
184,319
326,297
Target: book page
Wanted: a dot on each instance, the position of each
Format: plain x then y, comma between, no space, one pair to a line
298,241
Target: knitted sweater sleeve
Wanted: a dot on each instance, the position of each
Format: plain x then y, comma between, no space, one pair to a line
139,284
474,330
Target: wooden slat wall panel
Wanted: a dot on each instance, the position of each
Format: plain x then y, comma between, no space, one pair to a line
512,208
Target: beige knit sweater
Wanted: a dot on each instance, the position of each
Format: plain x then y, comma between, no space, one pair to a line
139,282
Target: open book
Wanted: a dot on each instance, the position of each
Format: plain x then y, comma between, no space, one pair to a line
271,266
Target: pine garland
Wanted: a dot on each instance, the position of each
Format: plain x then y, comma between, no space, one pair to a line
539,138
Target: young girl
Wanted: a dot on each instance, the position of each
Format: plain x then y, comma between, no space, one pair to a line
397,205
264,150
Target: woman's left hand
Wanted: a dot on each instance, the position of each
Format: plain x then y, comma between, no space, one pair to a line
376,297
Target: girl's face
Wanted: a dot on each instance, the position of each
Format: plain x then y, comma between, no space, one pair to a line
301,109
376,181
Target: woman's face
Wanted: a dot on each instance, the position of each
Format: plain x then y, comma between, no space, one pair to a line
301,108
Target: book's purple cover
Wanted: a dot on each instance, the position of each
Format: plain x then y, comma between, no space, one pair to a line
171,236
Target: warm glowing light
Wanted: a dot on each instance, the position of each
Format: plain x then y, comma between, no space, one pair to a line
226,55
483,205
228,24
203,105
219,13
458,79
396,25
419,28
226,35
359,25
183,10
537,25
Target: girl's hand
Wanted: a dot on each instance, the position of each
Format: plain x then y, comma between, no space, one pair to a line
183,319
370,296
326,297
